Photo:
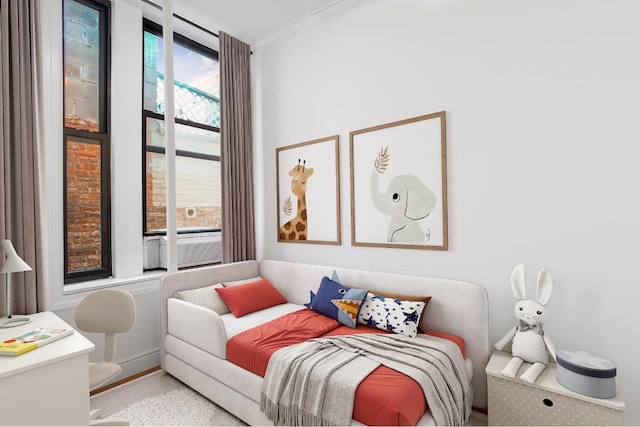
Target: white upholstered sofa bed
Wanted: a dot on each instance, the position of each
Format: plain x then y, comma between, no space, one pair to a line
194,338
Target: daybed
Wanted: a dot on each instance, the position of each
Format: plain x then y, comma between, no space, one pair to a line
194,339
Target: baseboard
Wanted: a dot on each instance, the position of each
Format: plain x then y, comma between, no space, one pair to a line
480,410
124,380
140,363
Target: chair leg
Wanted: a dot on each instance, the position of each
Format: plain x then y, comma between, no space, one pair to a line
96,420
109,422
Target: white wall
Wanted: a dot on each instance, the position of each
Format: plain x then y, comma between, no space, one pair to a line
542,111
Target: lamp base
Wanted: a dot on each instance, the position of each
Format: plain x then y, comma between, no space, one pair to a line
10,322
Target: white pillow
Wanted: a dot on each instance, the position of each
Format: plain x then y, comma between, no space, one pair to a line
206,297
391,314
241,282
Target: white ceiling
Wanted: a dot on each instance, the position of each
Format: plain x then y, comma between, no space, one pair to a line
255,20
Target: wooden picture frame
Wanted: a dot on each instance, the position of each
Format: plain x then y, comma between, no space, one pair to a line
308,192
399,184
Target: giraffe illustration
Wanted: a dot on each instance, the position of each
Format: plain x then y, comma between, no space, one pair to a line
296,229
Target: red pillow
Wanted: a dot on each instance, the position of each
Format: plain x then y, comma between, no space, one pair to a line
250,297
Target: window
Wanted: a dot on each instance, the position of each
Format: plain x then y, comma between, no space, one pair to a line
197,112
87,235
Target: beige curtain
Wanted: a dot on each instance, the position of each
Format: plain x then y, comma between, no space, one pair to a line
20,198
238,232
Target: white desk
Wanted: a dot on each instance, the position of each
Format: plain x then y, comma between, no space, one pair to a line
48,385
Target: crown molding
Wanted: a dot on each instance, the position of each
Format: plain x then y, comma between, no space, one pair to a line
207,22
315,19
312,20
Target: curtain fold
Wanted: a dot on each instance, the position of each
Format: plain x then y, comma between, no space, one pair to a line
20,144
238,228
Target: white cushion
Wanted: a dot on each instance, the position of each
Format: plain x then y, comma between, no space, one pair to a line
206,297
100,373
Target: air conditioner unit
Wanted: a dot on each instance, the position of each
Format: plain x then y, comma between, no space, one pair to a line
194,249
151,258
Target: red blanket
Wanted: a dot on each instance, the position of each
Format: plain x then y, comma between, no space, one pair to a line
385,397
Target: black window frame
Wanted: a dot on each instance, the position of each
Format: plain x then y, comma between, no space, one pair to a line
102,138
156,29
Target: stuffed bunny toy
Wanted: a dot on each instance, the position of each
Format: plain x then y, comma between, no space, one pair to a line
530,343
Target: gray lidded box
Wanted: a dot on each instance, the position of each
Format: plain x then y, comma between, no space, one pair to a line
586,373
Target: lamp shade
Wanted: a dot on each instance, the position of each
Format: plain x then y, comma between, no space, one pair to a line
13,263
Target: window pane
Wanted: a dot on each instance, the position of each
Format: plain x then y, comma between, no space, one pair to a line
84,242
81,65
188,138
196,82
198,193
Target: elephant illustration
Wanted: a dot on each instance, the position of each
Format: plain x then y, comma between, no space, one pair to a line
406,200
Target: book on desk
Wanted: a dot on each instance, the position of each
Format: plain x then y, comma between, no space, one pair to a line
32,340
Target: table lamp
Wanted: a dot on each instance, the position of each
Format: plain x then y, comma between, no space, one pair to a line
12,264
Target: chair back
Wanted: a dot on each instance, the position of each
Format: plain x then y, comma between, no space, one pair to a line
107,311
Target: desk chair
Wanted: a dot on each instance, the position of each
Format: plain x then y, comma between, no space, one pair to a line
108,311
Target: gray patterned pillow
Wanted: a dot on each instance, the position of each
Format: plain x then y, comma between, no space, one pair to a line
206,297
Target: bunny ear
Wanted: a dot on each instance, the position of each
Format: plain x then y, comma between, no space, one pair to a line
519,283
545,286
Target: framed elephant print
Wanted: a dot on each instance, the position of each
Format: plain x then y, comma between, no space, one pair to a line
399,184
308,192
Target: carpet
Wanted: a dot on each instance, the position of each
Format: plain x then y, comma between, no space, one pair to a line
158,399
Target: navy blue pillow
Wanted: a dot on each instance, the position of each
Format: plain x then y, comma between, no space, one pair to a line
328,290
312,294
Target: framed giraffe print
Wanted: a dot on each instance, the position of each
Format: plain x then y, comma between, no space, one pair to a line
308,192
399,184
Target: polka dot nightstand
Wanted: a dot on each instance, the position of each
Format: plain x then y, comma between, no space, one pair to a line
545,403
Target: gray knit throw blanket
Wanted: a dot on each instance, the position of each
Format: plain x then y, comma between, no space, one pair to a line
314,382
